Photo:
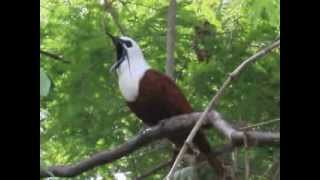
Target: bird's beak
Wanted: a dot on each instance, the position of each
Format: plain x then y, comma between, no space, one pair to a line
113,38
116,65
117,43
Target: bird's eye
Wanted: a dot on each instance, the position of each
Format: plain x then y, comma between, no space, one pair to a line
128,44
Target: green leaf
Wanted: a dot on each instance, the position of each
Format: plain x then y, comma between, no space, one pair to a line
45,83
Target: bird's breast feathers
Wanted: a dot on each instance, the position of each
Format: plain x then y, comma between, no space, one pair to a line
130,76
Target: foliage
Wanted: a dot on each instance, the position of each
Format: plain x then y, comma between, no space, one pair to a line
86,112
45,83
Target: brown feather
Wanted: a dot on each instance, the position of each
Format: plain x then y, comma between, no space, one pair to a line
160,98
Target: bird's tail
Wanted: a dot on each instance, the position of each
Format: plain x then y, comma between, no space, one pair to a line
201,142
203,145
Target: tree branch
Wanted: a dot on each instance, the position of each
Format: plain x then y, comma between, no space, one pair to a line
54,56
171,36
215,100
236,137
260,124
166,128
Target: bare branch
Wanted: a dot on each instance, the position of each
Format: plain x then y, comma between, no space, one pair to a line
54,56
171,36
215,100
236,136
260,124
166,128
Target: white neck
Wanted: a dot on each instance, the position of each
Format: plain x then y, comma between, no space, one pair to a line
130,73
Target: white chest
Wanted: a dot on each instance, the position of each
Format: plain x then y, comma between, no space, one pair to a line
129,79
129,86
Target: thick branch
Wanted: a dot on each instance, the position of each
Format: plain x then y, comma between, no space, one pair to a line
171,36
236,137
215,100
164,129
53,56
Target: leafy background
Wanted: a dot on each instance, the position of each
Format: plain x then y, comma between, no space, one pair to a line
84,112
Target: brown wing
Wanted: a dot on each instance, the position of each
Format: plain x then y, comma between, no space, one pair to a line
158,98
176,102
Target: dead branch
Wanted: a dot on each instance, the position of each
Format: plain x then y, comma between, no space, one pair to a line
215,100
260,124
166,128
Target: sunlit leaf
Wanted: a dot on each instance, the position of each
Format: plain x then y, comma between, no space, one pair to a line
45,83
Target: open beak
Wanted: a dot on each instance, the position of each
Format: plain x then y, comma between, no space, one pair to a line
117,43
116,65
114,39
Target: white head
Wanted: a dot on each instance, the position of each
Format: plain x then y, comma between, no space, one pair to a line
130,66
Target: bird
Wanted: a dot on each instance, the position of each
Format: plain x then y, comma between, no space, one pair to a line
153,96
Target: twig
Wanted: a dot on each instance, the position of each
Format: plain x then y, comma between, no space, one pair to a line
171,35
260,124
215,100
54,56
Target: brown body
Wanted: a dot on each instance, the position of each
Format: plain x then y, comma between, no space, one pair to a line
160,98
